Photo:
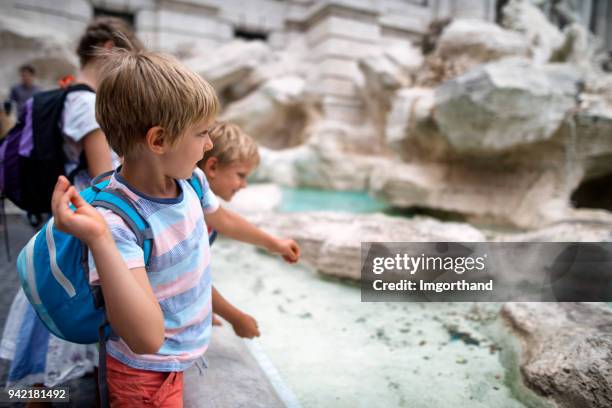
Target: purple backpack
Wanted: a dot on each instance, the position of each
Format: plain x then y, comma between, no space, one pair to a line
32,155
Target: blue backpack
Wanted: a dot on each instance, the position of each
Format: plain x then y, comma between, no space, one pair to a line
54,273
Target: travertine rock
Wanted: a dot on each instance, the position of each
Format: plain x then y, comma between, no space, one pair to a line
231,63
566,351
489,190
392,67
505,104
256,198
277,114
592,142
314,165
384,73
331,242
476,42
410,128
543,37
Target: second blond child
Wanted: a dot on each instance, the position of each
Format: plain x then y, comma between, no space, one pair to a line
227,166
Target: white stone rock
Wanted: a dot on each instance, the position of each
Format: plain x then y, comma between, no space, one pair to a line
543,37
230,63
500,191
406,55
392,67
283,64
579,225
565,351
256,198
592,142
383,73
505,104
473,42
410,116
331,242
318,166
277,114
578,48
281,166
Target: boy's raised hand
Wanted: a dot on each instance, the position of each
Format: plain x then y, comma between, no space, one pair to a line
288,249
85,223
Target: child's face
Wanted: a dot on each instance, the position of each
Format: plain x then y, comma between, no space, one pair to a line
225,181
183,158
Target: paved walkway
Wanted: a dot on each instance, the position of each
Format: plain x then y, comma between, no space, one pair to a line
233,379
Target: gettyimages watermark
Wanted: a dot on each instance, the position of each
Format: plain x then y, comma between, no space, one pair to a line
486,271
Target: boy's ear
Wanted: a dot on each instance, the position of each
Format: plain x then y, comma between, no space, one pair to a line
155,139
210,166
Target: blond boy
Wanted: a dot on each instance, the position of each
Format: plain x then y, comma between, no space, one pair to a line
227,166
156,114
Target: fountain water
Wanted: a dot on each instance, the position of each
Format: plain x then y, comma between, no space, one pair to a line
332,349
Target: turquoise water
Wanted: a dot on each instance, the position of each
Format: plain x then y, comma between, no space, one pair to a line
333,350
301,199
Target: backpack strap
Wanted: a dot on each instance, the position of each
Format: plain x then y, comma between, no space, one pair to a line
125,209
115,202
102,374
97,184
194,182
79,87
212,237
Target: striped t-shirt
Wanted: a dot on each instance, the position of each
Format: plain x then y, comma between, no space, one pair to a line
178,270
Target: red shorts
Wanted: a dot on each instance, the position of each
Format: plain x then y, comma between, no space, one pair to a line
132,387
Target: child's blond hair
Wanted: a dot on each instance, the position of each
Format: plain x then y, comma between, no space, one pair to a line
231,145
147,89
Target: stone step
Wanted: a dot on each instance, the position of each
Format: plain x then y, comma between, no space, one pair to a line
233,377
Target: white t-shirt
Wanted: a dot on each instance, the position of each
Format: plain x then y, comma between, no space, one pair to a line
78,120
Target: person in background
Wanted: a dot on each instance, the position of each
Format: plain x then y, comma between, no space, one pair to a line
24,90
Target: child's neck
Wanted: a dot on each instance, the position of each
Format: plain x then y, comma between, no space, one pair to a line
88,76
147,178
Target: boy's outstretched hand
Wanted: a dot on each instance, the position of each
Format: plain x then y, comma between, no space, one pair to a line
85,223
288,249
245,326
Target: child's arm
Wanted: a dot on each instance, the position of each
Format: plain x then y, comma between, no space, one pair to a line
234,226
98,153
131,307
243,324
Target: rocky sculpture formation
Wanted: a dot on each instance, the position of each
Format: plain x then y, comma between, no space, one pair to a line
496,123
566,351
499,123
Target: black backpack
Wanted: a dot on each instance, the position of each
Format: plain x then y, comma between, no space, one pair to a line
32,155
